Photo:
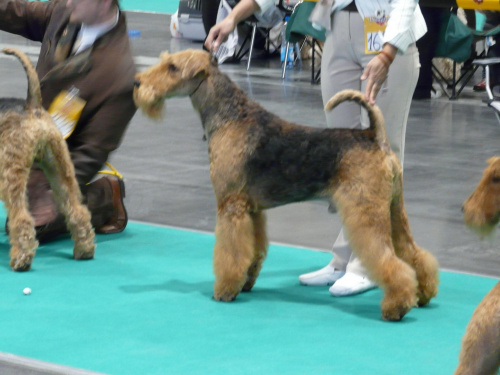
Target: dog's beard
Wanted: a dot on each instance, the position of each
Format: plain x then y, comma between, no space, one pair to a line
154,110
483,227
150,104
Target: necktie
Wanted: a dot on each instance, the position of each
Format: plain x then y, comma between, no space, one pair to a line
65,44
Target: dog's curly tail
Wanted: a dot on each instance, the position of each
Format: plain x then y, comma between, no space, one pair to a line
377,123
34,98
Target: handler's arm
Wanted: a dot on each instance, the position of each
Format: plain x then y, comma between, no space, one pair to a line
25,18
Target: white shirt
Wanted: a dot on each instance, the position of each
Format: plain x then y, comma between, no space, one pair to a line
264,5
89,34
405,25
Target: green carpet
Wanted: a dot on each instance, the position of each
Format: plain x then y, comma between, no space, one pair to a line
157,6
144,306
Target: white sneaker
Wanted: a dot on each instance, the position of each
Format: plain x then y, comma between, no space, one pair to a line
351,284
325,276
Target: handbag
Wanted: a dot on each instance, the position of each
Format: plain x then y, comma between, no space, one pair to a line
455,39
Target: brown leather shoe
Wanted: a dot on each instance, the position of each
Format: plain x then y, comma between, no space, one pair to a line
119,218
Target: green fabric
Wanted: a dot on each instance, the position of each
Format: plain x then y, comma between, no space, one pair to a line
144,306
455,39
299,26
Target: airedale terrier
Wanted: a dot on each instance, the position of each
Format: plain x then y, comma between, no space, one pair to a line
28,134
259,161
482,208
480,352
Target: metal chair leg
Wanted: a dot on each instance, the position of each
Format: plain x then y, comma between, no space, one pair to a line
285,60
254,29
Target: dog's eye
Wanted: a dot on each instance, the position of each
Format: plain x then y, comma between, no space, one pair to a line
172,68
495,179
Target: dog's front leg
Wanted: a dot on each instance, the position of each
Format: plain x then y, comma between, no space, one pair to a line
261,243
234,247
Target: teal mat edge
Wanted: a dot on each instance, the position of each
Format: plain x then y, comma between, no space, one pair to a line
153,6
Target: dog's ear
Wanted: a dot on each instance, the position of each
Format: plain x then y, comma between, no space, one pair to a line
493,160
164,55
195,66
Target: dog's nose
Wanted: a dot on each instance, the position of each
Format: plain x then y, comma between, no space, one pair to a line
463,209
137,83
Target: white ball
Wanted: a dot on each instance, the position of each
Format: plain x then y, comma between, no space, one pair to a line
27,291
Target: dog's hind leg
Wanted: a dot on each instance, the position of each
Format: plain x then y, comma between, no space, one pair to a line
422,261
261,243
363,199
234,250
21,225
59,169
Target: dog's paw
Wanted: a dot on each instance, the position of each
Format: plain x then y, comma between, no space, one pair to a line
224,295
21,263
396,314
83,253
222,298
425,296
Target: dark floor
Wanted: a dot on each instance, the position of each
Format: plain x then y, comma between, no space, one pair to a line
165,163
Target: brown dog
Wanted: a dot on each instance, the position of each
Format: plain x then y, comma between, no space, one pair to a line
480,352
259,161
28,134
482,208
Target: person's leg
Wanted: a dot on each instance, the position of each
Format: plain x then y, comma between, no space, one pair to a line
426,48
209,10
394,100
495,69
339,71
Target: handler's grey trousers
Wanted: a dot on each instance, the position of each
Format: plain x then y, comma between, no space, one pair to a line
342,64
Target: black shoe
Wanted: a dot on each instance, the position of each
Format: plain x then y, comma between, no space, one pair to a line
422,94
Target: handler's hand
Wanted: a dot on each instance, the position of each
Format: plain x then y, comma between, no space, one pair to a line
219,33
375,73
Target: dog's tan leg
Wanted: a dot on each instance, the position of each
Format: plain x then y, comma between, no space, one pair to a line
480,352
234,247
363,199
261,243
422,261
22,234
59,169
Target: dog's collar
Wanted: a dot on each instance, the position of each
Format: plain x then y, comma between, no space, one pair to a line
197,87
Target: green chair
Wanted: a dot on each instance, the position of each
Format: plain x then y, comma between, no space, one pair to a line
298,27
455,42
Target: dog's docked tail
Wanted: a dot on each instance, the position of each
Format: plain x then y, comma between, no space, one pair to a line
34,98
377,123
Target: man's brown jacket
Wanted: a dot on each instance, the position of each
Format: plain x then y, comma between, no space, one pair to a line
104,74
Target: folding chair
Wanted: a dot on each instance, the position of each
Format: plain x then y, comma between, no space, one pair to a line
455,42
492,102
298,27
248,43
